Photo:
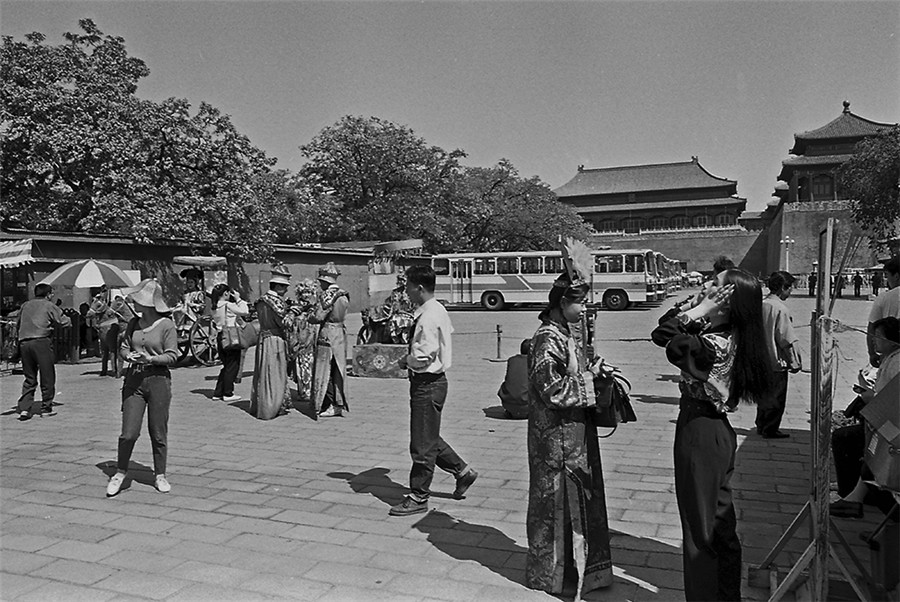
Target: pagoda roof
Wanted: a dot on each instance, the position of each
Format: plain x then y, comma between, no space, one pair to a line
847,126
640,178
663,205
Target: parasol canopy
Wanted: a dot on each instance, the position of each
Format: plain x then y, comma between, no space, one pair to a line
86,273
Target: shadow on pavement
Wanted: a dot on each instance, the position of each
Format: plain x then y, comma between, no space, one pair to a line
496,412
136,472
672,401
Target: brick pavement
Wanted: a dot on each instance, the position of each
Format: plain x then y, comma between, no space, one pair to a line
297,509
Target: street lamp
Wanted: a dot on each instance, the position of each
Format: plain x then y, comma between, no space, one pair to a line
787,241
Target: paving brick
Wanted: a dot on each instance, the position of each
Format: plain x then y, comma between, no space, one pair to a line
14,587
145,585
79,550
142,561
75,571
67,592
287,587
28,543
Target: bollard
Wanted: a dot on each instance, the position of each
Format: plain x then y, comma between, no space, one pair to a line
499,332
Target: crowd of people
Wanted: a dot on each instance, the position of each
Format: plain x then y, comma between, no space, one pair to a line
731,343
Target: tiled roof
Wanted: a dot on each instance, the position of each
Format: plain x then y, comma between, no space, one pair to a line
640,178
663,205
847,125
816,160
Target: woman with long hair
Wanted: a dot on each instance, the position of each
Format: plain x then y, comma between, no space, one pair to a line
720,346
567,523
150,345
227,308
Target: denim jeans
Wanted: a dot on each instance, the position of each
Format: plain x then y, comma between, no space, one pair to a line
37,358
150,389
231,363
427,393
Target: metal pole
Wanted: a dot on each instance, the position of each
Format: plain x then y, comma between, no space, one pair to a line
499,332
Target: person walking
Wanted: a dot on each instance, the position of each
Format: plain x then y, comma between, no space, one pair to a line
150,345
37,318
567,522
886,305
781,341
720,346
429,358
330,367
227,308
857,283
270,394
811,283
877,282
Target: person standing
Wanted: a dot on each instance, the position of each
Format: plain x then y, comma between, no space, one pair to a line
720,346
811,282
270,394
330,367
781,341
37,318
429,358
886,305
301,336
150,345
567,522
857,283
877,282
227,308
839,284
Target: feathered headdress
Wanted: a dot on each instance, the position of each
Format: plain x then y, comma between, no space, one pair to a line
578,261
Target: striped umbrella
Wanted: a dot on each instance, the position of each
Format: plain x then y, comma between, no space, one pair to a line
86,273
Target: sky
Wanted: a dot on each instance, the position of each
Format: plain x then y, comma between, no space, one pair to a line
547,85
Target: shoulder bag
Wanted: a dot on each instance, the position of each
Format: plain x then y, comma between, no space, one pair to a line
613,401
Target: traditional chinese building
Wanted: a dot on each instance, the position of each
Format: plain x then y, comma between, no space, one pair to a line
664,197
807,193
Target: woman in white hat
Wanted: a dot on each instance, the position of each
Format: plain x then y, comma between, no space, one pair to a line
330,370
150,346
270,394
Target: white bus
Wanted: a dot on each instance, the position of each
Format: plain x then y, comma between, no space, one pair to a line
621,277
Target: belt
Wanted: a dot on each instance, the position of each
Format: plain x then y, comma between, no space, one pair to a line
427,376
34,338
147,369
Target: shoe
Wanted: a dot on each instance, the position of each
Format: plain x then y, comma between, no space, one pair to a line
776,435
845,509
162,484
408,506
463,483
24,415
47,413
231,398
115,484
329,413
216,398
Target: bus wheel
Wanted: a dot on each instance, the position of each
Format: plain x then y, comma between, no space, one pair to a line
615,300
492,301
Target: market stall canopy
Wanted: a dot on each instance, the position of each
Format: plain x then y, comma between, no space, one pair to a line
204,262
398,248
14,253
87,273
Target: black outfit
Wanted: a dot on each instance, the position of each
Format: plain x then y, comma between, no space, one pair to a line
705,447
768,418
231,363
37,358
812,284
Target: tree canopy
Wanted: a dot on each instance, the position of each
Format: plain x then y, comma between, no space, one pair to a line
871,179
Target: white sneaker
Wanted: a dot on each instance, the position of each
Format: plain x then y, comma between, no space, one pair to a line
214,398
232,398
115,484
162,485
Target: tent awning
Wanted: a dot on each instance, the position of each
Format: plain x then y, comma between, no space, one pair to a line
14,253
204,262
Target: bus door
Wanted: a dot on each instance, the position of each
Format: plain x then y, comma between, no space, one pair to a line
461,281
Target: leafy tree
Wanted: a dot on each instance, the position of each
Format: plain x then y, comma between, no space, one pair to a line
495,209
378,179
871,178
81,152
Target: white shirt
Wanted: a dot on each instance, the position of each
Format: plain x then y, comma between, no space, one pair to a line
886,304
430,349
226,313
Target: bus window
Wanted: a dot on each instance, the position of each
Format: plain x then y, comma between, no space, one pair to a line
634,263
531,265
553,265
507,265
608,264
441,266
484,266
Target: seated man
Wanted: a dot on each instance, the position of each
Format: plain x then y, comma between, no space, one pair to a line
513,392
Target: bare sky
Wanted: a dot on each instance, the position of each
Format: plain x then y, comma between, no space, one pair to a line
548,85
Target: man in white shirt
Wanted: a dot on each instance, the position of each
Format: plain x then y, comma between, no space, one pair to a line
886,305
430,356
782,343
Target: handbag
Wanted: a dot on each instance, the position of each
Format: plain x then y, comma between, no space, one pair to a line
613,401
231,337
248,334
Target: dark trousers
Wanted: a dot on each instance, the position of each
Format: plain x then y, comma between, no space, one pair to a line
705,446
151,389
848,445
330,398
231,362
770,411
37,358
427,393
